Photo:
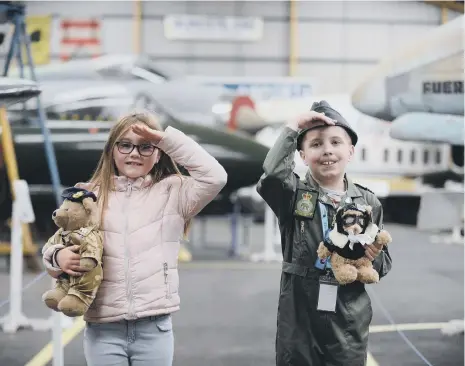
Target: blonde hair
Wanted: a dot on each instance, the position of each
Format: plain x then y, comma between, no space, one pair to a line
102,179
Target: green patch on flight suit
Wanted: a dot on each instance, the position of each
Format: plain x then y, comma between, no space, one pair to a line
305,203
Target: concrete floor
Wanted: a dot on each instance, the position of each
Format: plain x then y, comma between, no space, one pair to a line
228,306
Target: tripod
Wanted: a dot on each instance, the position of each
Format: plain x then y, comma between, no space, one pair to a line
15,14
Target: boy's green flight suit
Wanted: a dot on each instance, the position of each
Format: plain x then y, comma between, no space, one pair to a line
305,336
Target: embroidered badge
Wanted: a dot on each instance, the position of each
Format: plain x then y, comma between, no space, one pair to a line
78,194
305,205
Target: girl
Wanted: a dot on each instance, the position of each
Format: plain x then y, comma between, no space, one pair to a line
145,207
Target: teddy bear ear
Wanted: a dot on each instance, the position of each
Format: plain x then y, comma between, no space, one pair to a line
89,204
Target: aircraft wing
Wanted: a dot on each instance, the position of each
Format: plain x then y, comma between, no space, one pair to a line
181,100
13,90
429,127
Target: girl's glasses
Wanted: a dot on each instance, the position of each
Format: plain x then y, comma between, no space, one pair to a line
125,147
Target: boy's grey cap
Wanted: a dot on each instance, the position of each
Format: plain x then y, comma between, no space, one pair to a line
324,107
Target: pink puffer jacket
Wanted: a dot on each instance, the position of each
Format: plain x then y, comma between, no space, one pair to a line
142,230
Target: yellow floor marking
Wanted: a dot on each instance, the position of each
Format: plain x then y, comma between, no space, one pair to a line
371,361
46,354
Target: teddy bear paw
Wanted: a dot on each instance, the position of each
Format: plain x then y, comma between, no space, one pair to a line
383,238
72,306
368,275
323,252
52,298
345,274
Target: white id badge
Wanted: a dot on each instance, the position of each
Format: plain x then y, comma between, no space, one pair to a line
327,294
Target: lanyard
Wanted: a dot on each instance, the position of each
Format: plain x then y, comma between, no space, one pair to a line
324,226
324,218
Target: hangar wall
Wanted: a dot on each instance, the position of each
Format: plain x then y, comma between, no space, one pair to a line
337,43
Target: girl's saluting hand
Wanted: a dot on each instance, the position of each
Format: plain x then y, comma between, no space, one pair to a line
148,133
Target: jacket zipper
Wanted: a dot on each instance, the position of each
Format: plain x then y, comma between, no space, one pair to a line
165,272
126,251
167,284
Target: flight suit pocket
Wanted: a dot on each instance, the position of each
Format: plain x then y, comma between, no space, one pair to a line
358,306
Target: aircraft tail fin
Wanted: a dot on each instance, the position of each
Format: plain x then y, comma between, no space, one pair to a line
244,115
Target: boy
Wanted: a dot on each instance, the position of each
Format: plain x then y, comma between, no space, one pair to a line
316,327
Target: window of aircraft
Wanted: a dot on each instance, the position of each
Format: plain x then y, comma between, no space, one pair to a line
438,156
363,154
399,156
386,155
412,156
425,156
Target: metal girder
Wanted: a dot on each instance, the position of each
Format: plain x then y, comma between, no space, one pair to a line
452,5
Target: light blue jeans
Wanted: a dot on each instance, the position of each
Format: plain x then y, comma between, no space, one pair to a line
143,342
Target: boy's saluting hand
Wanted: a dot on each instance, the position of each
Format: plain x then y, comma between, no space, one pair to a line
310,119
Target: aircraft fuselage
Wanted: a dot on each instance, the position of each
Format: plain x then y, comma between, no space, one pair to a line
427,76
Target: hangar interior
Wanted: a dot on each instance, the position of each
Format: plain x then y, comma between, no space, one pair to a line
336,43
229,75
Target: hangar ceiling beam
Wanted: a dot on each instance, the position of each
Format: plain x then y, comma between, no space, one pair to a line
137,27
457,6
293,38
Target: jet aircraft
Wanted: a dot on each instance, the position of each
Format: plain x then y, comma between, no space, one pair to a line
78,144
185,99
388,167
420,89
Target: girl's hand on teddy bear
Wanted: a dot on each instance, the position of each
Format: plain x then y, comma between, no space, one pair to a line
69,261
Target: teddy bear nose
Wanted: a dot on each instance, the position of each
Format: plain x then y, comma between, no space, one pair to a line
54,213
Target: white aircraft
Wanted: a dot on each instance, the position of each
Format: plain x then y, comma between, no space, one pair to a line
420,90
379,157
387,166
425,76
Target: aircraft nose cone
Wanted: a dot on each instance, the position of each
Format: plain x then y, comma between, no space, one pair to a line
370,98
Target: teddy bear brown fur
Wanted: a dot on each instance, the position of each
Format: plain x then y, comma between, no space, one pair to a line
353,227
77,219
